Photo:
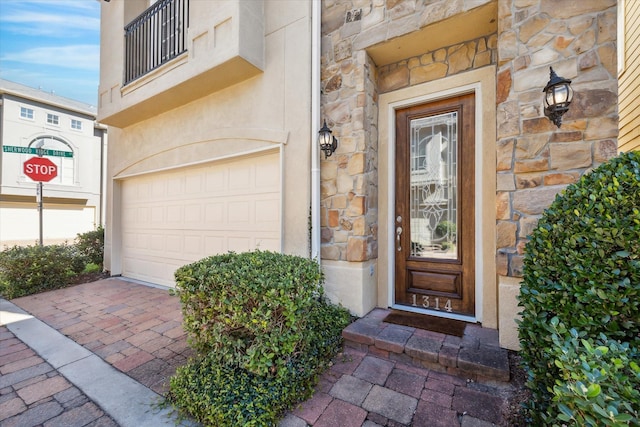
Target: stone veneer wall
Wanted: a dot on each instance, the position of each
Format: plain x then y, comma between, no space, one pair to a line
443,62
351,83
535,159
348,189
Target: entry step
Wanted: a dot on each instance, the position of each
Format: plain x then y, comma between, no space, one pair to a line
475,356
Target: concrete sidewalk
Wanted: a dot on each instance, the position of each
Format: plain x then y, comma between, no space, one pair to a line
116,343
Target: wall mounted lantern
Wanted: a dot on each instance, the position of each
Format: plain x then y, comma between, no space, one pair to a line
557,97
328,143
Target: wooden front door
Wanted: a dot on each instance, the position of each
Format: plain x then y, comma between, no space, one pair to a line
434,206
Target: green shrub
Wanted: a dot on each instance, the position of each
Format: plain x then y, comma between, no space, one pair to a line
446,229
26,270
263,331
222,394
599,383
91,268
582,267
91,246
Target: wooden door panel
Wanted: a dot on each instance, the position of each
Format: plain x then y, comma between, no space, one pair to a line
434,218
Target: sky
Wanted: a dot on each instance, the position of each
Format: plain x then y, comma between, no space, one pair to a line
53,45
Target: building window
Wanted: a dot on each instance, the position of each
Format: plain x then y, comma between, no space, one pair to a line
26,113
52,119
76,124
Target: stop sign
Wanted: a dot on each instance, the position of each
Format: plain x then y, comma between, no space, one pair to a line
40,169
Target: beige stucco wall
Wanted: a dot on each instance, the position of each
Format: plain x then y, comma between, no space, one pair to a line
224,45
268,111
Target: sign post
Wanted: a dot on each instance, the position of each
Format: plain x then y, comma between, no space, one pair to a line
40,169
39,201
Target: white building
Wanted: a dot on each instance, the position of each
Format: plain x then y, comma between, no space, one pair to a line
71,138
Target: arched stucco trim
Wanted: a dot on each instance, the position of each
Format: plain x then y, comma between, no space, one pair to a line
224,144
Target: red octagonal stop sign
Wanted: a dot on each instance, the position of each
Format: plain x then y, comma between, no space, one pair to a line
40,169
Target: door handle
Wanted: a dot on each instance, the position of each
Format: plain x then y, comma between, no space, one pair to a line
398,235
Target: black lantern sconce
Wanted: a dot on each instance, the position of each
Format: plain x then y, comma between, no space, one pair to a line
557,97
328,143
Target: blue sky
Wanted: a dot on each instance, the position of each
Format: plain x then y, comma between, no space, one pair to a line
53,45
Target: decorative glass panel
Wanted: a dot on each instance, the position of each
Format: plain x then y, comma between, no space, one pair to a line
434,175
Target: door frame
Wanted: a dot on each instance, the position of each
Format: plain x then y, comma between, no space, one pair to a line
481,82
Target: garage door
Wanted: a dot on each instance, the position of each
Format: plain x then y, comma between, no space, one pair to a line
173,218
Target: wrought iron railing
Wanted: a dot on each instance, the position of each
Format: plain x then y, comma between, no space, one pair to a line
155,37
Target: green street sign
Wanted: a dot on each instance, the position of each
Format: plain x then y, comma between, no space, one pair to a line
36,151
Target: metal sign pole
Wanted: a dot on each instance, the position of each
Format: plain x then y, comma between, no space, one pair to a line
39,200
39,194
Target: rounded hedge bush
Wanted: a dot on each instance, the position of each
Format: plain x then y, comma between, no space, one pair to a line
263,332
582,270
252,309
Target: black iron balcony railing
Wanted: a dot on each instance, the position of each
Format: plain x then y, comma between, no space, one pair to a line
155,37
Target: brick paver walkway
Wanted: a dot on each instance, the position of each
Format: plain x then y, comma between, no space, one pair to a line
32,393
364,390
137,329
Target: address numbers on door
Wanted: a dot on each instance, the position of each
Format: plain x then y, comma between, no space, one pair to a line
425,301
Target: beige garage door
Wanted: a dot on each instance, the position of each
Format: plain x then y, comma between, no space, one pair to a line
177,217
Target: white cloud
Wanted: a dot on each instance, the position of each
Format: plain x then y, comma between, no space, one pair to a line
38,18
45,23
85,57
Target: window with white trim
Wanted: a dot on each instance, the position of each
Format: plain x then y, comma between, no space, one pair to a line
76,124
26,113
53,119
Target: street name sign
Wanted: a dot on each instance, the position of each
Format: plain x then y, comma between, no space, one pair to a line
36,151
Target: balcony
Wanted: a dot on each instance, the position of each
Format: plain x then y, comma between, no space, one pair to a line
155,37
173,53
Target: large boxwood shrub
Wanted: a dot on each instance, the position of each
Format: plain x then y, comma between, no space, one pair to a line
582,269
262,330
26,270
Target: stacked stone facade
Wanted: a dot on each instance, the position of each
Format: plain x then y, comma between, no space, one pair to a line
443,62
351,82
535,159
349,217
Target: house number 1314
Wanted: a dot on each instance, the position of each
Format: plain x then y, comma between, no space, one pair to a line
435,304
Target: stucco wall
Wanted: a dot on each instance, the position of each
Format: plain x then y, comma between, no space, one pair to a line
267,111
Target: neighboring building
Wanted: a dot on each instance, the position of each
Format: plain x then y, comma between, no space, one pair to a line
73,141
629,74
445,160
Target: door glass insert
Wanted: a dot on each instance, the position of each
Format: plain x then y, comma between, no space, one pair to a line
433,186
